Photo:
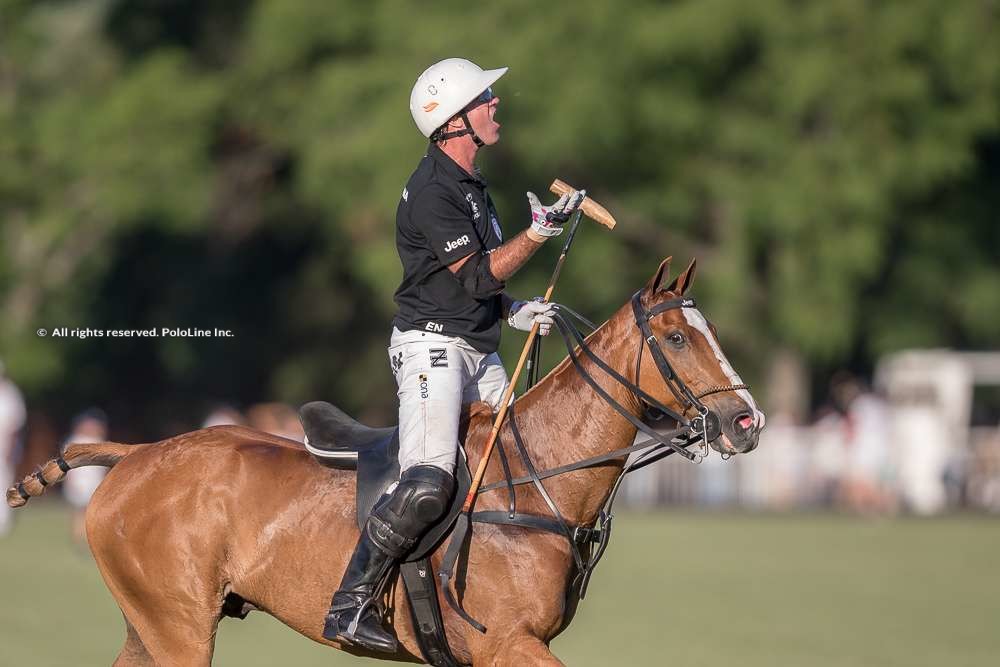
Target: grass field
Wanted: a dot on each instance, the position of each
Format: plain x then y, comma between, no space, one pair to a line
674,589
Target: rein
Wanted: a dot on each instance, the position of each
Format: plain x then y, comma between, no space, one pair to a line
704,428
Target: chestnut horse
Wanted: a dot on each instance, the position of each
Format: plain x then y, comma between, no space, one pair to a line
182,528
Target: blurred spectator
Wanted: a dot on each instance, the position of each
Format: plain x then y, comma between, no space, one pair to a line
12,416
91,425
40,442
868,485
717,481
277,419
828,460
984,472
773,477
639,489
223,415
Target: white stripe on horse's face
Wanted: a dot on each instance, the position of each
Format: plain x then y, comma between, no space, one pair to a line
697,321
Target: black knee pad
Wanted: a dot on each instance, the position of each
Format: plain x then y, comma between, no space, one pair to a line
423,493
420,499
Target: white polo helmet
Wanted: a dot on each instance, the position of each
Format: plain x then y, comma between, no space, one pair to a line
445,88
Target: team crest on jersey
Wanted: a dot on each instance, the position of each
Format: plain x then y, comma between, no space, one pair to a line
496,227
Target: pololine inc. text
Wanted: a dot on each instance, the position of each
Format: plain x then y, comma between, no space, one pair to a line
164,332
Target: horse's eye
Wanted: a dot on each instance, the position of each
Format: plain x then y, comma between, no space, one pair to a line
676,338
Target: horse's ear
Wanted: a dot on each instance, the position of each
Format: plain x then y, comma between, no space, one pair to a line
683,282
660,277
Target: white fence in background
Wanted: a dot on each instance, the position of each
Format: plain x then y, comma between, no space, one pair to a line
801,467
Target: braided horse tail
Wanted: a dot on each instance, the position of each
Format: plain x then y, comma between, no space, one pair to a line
54,470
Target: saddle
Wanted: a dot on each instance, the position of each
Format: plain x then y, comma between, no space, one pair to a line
338,441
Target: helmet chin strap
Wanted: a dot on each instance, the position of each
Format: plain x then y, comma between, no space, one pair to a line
461,133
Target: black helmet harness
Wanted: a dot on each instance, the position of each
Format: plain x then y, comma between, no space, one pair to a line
440,135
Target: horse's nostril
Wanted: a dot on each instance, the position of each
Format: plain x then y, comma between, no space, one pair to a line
743,422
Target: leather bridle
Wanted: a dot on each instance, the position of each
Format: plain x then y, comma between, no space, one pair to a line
704,427
706,422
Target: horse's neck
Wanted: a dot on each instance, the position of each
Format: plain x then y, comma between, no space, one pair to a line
563,420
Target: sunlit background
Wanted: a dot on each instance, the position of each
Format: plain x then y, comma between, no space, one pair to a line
236,165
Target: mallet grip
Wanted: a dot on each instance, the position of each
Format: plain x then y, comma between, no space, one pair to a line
591,208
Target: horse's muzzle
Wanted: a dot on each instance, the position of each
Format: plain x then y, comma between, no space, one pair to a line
740,427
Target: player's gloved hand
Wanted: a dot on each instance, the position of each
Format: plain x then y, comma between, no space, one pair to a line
547,221
523,314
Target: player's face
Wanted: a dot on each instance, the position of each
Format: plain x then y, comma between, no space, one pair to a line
482,112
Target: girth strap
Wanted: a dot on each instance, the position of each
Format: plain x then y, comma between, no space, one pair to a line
429,627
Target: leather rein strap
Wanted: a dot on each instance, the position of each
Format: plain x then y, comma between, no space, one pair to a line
677,440
703,428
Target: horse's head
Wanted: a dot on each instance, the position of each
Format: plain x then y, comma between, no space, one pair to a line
702,374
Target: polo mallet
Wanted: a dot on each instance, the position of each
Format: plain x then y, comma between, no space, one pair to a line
599,214
595,212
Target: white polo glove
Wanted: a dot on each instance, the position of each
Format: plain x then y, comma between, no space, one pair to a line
548,220
524,314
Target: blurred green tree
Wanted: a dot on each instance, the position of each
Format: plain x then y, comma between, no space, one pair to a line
237,164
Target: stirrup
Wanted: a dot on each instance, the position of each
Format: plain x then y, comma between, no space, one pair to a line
387,642
352,627
337,612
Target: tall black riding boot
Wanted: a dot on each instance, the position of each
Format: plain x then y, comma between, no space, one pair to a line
395,524
354,614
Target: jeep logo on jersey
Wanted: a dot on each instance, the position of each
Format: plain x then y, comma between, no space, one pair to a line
473,204
460,241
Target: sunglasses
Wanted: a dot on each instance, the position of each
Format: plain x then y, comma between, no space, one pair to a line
485,97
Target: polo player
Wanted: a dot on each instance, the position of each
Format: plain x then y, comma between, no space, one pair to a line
443,348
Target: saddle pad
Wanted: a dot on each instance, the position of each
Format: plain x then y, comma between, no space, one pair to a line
378,469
